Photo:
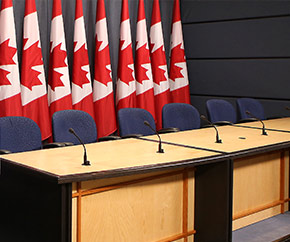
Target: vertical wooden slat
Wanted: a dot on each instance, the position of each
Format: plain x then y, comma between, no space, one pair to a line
79,214
282,179
185,203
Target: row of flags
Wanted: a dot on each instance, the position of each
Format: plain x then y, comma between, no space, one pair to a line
144,83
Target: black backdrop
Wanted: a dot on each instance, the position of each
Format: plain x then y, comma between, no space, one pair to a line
233,48
238,49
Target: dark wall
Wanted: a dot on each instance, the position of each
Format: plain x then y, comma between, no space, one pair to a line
238,49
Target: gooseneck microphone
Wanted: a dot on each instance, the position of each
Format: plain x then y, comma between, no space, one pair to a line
218,140
160,150
86,162
263,129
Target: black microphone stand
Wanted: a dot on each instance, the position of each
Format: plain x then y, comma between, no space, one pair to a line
86,162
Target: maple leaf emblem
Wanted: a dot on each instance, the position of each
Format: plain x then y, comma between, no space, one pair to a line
177,56
57,60
142,57
102,61
31,57
125,62
80,60
158,61
7,53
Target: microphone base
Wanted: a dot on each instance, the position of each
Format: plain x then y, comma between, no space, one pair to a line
86,163
219,141
160,151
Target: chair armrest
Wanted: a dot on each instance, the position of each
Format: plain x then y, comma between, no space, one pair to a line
222,123
53,145
131,136
247,120
274,117
110,137
168,130
3,152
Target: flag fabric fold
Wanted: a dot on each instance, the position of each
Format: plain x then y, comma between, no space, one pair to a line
10,96
159,64
178,77
126,83
144,80
82,94
33,83
103,94
59,91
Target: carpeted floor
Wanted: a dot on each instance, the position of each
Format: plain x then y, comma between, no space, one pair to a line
272,229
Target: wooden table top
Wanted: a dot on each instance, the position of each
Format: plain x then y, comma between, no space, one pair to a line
282,124
120,156
234,138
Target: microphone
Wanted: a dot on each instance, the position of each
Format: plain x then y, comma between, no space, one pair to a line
218,140
263,129
160,150
86,162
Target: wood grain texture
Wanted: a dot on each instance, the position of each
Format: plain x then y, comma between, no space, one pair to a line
230,135
257,187
145,211
104,156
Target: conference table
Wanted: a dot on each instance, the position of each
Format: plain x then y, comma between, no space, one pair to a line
260,165
197,189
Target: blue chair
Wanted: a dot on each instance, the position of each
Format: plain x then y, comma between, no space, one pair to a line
251,105
220,111
180,115
131,122
81,122
18,134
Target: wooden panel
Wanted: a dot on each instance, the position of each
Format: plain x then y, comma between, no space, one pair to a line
256,184
141,212
144,211
237,78
268,213
200,11
238,39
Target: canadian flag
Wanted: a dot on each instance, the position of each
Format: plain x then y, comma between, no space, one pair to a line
178,76
159,65
104,104
126,83
33,84
144,80
10,97
82,94
59,92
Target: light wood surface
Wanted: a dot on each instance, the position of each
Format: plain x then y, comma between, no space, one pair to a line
104,156
233,138
279,124
152,210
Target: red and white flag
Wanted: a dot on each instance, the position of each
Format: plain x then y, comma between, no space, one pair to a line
126,83
10,97
59,92
159,65
33,84
178,77
104,104
144,80
82,94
